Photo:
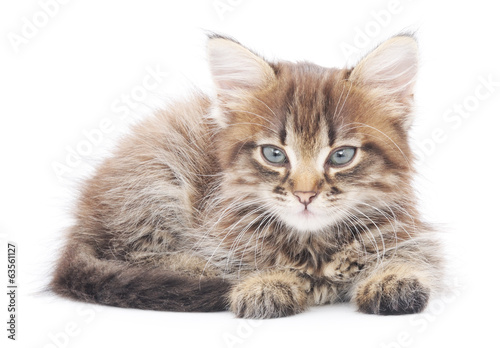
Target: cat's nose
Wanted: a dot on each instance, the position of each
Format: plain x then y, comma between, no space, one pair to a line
305,197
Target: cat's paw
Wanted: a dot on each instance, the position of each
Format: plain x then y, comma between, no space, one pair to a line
392,294
269,295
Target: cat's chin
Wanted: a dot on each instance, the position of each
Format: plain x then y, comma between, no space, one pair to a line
308,220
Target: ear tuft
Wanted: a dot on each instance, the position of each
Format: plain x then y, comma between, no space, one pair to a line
391,67
235,68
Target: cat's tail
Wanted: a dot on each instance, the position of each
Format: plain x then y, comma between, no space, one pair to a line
82,276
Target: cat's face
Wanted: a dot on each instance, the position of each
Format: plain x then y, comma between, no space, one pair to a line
311,146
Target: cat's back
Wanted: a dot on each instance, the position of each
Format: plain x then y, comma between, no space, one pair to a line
176,141
156,177
179,135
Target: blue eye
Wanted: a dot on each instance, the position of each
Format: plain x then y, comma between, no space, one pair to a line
342,156
274,155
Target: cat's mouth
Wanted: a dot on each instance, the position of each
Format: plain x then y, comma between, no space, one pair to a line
306,219
310,219
306,213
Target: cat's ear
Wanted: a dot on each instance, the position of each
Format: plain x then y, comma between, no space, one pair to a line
235,69
391,68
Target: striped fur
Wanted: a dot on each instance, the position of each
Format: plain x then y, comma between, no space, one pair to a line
188,215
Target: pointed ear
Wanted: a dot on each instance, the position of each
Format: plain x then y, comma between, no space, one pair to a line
235,69
391,67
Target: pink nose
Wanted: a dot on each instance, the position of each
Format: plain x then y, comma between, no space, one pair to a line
305,197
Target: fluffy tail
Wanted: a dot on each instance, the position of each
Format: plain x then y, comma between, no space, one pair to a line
80,275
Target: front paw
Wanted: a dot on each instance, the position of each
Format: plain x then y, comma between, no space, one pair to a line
268,295
392,294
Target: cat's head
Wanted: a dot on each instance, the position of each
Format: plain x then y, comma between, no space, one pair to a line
314,146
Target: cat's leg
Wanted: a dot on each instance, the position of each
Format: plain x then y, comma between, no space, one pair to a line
399,288
270,294
168,250
186,263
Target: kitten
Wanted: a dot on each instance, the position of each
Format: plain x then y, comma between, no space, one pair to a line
290,188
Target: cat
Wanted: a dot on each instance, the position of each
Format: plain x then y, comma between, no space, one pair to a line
291,187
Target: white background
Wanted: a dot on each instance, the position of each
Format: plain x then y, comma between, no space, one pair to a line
67,74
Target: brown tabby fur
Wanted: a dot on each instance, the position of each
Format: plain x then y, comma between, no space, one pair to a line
188,216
